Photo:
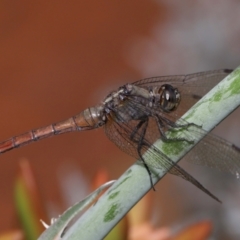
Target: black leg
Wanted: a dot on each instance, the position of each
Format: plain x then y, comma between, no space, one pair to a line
137,128
177,125
161,123
139,147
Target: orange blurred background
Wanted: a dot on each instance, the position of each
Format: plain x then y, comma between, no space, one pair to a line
58,58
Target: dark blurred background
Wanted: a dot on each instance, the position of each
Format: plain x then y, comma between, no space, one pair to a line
58,58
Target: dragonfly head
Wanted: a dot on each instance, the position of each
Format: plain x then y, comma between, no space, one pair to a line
169,97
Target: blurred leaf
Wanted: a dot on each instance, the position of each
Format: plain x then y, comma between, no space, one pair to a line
199,231
119,232
99,178
146,231
12,235
141,212
28,204
55,230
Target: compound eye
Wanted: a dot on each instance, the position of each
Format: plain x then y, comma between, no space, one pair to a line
169,97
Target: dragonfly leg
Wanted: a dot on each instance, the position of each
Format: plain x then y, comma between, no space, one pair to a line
141,144
178,125
137,128
161,126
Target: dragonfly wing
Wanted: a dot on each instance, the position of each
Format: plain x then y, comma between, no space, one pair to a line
208,78
178,171
212,151
191,87
217,153
120,132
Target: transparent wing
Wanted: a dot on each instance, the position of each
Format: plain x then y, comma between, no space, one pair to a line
208,79
191,87
120,132
216,153
212,151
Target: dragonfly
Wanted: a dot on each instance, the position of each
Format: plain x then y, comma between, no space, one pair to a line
137,114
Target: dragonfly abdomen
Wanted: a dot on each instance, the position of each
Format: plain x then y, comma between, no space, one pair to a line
37,134
87,119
